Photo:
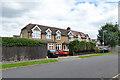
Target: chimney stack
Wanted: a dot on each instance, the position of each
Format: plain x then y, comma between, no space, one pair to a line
68,28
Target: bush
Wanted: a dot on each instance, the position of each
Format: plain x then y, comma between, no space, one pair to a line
81,46
11,41
97,50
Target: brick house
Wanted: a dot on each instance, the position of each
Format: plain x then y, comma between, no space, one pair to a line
56,38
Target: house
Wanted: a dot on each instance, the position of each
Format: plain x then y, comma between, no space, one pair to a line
56,38
97,42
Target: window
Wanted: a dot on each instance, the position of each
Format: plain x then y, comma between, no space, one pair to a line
58,46
79,38
51,46
87,39
58,37
36,34
48,35
70,37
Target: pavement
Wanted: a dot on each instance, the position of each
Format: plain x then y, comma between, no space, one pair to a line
62,58
71,67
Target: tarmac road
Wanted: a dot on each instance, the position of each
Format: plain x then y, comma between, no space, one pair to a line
95,67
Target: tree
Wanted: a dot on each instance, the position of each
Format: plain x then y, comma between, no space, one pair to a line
111,37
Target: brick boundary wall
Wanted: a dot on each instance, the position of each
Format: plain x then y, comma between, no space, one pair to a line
23,53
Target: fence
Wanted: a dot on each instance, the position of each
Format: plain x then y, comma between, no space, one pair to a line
23,53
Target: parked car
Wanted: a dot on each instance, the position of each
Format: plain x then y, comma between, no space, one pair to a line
105,49
60,52
53,53
63,52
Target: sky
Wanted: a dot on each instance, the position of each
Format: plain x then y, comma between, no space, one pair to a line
86,16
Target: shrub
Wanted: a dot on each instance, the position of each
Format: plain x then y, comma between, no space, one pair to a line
81,46
11,41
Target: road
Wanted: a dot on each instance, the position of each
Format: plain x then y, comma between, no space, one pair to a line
95,67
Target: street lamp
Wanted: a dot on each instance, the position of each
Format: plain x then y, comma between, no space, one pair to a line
103,39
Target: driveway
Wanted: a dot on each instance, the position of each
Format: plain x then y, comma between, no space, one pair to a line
95,67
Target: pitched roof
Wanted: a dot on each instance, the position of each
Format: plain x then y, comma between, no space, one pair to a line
44,28
53,29
16,35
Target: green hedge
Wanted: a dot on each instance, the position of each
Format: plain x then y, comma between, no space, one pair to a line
81,46
11,41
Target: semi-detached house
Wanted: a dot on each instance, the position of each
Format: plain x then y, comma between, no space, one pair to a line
56,38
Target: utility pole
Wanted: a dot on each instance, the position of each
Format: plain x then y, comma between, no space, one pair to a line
103,39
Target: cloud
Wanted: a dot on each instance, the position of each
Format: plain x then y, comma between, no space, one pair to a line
85,17
15,9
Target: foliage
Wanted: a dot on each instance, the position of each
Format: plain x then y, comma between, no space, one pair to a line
111,36
10,41
80,46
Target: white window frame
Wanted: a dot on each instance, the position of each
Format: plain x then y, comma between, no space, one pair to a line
58,46
36,34
58,36
51,46
48,35
70,37
79,38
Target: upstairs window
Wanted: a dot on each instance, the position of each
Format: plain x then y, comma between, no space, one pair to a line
70,37
48,35
58,37
36,34
79,38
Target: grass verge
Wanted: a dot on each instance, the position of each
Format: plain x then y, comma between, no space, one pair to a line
5,66
102,54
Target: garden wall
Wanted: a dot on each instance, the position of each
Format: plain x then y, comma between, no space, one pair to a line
23,52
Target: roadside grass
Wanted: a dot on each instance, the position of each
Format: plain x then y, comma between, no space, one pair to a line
13,65
102,54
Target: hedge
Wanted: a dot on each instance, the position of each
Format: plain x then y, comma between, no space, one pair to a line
11,41
81,46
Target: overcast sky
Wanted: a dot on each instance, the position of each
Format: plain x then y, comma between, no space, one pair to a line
86,16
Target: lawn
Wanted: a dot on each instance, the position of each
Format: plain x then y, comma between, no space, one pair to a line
102,54
13,65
